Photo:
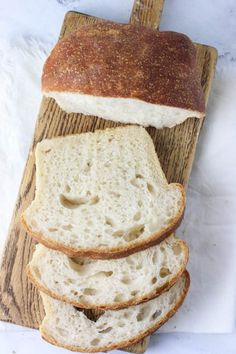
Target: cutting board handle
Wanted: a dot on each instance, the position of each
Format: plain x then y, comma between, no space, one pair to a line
147,13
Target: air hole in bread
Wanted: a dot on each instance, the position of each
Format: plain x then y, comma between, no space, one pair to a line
150,188
154,280
101,326
67,188
139,266
138,176
95,341
87,167
67,227
130,261
52,229
134,182
89,291
47,151
74,292
92,315
75,266
134,292
126,280
134,233
127,315
78,261
162,249
177,249
137,216
104,274
106,330
109,221
140,203
73,203
115,194
142,314
118,233
118,298
154,258
164,271
156,314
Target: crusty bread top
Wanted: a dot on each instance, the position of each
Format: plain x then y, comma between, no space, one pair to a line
117,60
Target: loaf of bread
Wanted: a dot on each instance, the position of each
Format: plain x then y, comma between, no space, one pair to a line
109,284
126,73
102,194
72,328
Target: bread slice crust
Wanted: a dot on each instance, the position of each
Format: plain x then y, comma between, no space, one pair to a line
115,252
114,306
131,341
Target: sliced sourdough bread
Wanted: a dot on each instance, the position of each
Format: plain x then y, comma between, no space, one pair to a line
102,194
68,327
109,74
84,282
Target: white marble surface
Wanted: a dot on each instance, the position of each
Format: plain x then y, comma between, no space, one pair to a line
28,29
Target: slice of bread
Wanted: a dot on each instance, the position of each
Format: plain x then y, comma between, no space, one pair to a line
102,194
109,74
68,327
84,282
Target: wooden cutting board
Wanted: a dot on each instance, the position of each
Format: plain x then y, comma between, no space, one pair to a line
19,300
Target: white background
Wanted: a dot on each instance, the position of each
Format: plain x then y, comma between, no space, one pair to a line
28,29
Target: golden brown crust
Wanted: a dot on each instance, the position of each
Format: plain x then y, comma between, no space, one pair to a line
128,342
116,252
113,306
121,60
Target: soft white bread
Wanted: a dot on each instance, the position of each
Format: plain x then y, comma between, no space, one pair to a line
131,280
102,194
68,327
126,73
124,110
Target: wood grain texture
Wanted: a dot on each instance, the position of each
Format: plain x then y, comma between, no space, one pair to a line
19,300
147,13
